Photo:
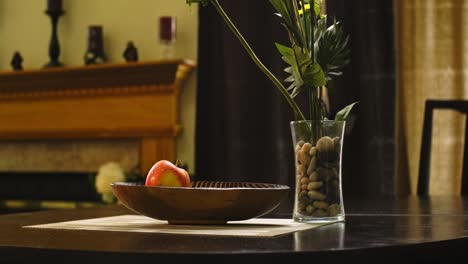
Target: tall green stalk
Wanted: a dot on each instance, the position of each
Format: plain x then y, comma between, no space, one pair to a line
297,112
310,101
314,93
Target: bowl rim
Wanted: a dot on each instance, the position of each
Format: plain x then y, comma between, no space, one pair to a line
271,186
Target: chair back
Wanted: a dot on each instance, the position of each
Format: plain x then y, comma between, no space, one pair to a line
425,156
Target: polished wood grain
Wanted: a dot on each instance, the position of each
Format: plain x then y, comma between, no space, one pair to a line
93,79
131,100
409,230
205,203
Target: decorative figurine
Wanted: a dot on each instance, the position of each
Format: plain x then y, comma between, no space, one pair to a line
16,61
93,58
95,53
54,11
131,52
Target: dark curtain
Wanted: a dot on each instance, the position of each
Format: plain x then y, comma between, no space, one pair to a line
369,150
242,129
242,120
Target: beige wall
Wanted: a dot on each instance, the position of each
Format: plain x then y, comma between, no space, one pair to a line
24,27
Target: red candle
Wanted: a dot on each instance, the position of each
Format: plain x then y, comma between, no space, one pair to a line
167,28
54,5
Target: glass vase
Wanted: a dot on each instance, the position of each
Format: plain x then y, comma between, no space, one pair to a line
317,149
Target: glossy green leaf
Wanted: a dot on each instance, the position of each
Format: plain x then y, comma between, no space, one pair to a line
283,50
343,114
330,48
314,75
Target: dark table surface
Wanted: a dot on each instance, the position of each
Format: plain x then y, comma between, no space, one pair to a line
416,230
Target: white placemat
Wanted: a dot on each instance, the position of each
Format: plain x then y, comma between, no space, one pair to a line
256,227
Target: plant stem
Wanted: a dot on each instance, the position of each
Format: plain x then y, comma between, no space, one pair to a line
310,101
314,99
318,103
314,104
312,27
320,90
300,24
297,112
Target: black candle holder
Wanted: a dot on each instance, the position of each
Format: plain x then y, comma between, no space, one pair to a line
54,47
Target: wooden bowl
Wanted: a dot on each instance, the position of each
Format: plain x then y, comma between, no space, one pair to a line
203,203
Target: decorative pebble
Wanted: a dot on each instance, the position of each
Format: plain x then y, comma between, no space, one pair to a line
336,140
304,180
320,205
334,209
329,165
300,143
319,213
310,209
303,157
303,197
306,147
313,151
325,174
335,183
329,156
312,165
317,177
297,149
313,176
301,206
316,195
301,168
325,144
335,172
314,185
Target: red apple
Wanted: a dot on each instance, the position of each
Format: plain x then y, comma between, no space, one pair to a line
165,173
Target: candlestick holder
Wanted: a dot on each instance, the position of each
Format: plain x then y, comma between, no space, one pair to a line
54,46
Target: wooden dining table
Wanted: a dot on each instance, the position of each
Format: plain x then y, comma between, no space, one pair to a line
380,230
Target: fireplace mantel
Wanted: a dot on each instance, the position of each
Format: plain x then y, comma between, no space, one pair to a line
131,100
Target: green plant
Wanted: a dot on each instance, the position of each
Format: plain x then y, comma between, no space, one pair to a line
317,52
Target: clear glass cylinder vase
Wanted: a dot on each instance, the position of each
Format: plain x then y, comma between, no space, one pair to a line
317,149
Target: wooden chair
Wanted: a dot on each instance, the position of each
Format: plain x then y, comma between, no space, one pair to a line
425,158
